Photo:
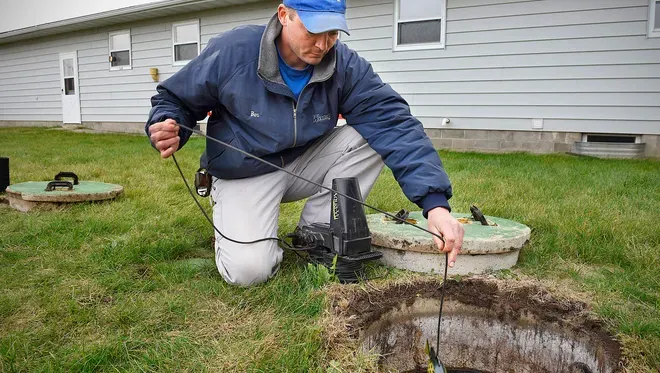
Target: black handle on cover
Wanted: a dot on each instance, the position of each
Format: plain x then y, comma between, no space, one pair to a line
67,174
478,215
58,184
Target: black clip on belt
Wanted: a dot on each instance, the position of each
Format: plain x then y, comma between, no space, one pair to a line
203,183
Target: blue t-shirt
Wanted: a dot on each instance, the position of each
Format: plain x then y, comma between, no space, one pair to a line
295,79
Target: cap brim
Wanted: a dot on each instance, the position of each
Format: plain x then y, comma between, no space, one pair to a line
318,22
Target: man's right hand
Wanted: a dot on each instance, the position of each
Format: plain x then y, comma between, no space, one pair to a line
165,137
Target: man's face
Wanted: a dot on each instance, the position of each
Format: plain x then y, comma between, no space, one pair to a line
311,48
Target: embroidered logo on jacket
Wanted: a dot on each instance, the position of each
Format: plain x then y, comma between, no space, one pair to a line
254,114
321,118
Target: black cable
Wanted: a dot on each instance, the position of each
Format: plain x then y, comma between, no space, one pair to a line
286,244
347,270
442,302
211,221
309,181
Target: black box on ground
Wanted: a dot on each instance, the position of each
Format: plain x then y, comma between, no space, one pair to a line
4,174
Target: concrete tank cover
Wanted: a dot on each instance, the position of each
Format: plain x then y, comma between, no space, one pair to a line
29,195
485,248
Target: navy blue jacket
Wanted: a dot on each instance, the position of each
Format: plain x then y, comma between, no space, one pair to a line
237,78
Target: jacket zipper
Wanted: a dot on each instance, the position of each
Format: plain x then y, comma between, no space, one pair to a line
295,119
295,125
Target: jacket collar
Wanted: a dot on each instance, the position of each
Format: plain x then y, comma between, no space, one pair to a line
268,67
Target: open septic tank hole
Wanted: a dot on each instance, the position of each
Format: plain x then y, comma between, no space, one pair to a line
488,326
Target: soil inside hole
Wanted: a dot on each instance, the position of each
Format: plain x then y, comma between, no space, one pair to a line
395,321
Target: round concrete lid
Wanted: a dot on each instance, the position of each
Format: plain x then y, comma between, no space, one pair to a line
35,191
501,236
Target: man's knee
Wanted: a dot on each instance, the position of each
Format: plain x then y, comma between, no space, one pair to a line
247,265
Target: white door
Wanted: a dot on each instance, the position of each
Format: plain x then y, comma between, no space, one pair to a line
70,91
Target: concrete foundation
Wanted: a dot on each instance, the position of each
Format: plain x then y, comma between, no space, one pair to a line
20,123
519,141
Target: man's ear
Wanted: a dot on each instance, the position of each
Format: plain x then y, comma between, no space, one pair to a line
283,15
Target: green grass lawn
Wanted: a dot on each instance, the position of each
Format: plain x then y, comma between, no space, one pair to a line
131,285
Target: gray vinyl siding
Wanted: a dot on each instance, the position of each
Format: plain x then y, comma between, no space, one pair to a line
30,77
29,80
582,66
124,96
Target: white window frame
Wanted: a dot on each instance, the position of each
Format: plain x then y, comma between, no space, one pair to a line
652,33
174,43
420,46
130,50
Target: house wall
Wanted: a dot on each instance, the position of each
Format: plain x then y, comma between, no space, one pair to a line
581,66
111,100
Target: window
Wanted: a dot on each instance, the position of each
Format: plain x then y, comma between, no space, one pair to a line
120,50
419,24
654,18
619,139
68,74
185,41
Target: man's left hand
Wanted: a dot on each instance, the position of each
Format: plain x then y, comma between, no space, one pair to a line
442,223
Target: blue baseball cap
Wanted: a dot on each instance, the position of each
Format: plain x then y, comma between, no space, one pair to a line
320,15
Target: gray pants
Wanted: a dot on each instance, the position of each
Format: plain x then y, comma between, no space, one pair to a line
248,209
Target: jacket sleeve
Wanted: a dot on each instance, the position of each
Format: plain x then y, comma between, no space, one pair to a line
383,118
189,94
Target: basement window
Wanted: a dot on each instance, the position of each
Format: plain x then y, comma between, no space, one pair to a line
619,139
419,24
120,50
185,41
654,18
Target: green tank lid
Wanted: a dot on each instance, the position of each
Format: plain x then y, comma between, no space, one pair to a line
84,191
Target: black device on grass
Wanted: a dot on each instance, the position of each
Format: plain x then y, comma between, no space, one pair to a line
4,174
346,237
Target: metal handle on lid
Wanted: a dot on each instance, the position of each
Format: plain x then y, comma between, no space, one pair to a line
58,184
67,174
